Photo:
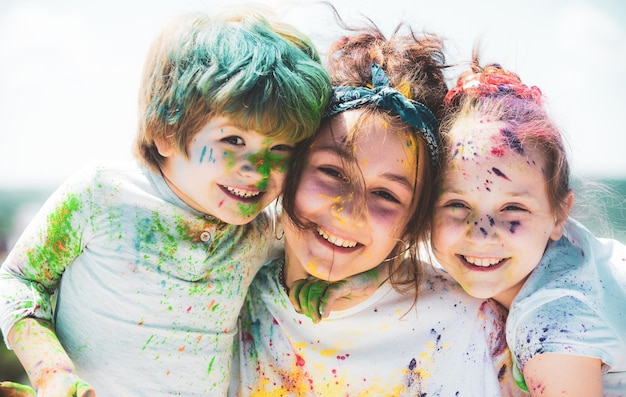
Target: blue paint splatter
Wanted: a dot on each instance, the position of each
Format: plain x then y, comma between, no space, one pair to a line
514,226
483,231
202,154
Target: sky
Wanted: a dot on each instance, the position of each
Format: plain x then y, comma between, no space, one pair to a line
70,70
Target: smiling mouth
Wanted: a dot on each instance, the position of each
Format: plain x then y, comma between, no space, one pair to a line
334,240
249,196
483,262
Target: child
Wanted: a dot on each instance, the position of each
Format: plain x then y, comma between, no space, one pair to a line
360,196
501,229
151,261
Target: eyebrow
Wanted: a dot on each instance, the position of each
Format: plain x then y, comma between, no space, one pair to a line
336,150
399,179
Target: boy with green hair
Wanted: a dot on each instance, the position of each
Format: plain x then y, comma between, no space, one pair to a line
151,260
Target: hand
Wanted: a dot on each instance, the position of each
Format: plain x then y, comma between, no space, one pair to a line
316,298
12,389
307,296
62,383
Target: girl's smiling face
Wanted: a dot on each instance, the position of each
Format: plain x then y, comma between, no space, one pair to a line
230,173
356,203
493,219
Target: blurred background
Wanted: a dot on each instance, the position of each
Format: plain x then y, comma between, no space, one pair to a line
70,71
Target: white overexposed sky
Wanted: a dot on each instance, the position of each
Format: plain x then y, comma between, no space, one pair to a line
70,69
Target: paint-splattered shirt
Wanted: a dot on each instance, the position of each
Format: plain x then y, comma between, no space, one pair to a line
149,289
449,345
574,302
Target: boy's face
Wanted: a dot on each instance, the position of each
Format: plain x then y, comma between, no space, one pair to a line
232,174
493,218
349,235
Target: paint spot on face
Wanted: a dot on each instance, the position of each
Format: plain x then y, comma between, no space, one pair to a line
483,232
499,173
497,151
491,220
265,162
514,226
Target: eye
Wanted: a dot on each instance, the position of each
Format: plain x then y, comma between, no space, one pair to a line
333,173
233,140
514,207
455,204
387,196
283,148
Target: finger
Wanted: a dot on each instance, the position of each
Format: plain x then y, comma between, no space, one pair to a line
334,292
303,298
294,294
12,389
84,390
314,293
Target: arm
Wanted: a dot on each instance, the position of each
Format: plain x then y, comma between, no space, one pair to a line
552,374
48,366
28,278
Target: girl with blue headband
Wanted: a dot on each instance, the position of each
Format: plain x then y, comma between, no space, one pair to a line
360,197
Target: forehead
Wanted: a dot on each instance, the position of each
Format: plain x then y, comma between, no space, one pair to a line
370,142
484,150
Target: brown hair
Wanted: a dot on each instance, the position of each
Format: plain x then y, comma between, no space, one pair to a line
263,75
414,66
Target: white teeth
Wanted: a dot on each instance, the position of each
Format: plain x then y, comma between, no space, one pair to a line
242,193
339,242
482,262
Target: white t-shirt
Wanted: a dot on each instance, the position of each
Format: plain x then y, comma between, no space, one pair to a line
448,345
149,290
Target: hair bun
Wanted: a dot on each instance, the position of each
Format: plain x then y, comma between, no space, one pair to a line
493,80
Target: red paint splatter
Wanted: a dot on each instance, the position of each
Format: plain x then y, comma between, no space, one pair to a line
497,151
299,361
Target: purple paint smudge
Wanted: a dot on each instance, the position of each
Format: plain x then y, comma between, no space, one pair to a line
499,173
512,141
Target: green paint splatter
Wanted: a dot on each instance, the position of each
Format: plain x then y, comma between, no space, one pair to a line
210,368
62,242
147,342
266,161
249,210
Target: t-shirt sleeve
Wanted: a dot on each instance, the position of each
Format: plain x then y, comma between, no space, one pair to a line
33,269
565,325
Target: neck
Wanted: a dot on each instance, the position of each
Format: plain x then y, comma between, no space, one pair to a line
188,200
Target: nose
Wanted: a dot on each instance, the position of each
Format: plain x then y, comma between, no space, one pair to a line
251,170
482,227
347,210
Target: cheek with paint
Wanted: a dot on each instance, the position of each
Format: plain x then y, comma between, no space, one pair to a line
264,163
206,155
229,158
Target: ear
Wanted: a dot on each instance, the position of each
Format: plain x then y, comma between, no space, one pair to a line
557,232
164,146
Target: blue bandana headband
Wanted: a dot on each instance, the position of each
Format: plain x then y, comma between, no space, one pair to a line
413,113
